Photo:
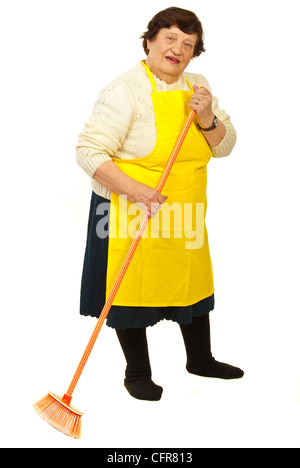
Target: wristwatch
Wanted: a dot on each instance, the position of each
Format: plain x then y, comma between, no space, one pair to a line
214,125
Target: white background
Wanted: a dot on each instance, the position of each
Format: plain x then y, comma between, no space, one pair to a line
55,58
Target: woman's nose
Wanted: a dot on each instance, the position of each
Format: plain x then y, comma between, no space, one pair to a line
176,49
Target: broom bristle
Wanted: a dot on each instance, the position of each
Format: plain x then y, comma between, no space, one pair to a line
59,415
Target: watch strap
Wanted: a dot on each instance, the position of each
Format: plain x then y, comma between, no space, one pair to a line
214,125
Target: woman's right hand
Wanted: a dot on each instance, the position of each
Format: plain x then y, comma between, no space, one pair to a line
148,198
113,178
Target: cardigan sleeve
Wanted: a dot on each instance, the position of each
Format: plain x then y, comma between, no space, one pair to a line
228,143
105,132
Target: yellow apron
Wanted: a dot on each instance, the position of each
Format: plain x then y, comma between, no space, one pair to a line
172,264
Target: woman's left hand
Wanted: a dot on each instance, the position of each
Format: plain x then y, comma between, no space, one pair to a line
201,102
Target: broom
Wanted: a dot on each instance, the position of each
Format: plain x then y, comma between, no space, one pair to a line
57,411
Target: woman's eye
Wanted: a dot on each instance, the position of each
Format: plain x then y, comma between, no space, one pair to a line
188,45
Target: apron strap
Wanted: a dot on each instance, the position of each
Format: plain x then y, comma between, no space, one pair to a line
150,76
190,86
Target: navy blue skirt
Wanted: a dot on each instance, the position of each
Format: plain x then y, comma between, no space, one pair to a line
93,284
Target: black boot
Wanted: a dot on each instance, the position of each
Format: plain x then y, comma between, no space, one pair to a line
138,374
198,348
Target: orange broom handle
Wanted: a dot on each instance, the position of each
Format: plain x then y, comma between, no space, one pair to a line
68,396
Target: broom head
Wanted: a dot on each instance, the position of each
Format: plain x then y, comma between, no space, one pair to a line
60,415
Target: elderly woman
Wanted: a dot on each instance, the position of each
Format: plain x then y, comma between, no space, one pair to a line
124,148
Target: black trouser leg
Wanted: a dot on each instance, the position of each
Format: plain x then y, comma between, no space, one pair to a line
200,361
138,371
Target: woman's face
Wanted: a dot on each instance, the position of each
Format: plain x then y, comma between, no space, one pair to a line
170,53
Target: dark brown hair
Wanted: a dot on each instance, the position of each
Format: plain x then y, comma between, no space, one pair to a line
185,20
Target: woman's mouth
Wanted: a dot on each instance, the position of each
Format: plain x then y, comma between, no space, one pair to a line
172,59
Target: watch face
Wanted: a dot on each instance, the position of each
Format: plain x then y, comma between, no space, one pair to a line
216,121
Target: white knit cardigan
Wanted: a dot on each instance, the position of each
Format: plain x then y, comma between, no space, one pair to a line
122,124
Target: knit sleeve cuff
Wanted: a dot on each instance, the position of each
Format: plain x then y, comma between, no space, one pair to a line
227,144
90,163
